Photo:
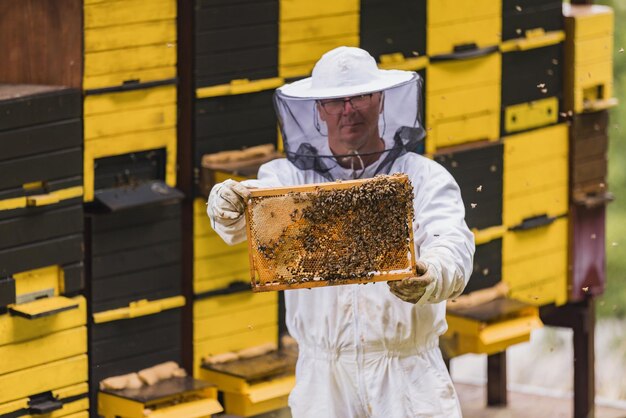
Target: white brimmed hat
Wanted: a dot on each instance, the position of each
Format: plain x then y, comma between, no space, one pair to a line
343,72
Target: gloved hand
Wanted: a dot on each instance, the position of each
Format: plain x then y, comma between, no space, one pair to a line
226,202
412,289
226,205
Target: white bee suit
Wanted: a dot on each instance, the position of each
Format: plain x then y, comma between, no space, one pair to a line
363,351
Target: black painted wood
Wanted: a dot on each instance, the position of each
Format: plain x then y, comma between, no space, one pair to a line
487,266
478,171
50,223
64,250
521,16
142,215
393,26
119,290
27,105
532,74
42,167
38,139
235,40
129,169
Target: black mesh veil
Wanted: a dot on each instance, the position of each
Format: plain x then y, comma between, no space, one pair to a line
305,137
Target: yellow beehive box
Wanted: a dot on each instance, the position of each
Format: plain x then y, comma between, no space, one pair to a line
588,58
129,41
535,174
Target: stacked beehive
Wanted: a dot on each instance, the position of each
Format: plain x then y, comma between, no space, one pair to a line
493,101
133,223
43,337
588,93
236,70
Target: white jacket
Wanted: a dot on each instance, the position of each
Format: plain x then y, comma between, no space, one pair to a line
363,351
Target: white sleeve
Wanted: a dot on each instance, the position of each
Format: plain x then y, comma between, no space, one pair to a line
269,176
441,235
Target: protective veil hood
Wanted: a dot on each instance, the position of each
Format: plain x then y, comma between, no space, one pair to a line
345,72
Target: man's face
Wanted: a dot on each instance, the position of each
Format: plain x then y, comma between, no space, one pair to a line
352,121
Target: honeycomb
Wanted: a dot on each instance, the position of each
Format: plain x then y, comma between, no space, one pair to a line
343,232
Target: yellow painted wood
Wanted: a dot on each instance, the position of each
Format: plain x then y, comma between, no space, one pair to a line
242,405
531,115
444,11
489,234
139,308
43,378
122,12
13,406
322,27
112,406
538,286
584,21
207,285
55,197
130,100
45,306
525,245
14,329
202,226
467,101
255,391
233,342
469,336
300,53
197,409
124,144
398,62
130,121
301,9
591,83
548,173
207,307
533,39
592,50
54,346
235,322
82,414
485,32
131,35
115,406
551,201
13,203
535,174
117,79
593,74
299,58
227,265
130,59
36,280
530,148
449,76
479,127
212,246
240,86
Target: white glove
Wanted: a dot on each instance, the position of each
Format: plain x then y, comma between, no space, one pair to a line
226,206
415,289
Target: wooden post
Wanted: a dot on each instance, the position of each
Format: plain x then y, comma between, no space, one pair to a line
185,178
580,317
496,379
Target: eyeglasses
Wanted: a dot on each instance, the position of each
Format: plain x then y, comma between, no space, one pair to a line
335,106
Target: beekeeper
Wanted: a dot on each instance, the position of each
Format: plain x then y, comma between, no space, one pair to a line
365,350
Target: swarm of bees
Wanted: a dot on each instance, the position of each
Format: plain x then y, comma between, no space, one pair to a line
335,235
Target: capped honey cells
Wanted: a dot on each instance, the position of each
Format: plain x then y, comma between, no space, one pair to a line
332,233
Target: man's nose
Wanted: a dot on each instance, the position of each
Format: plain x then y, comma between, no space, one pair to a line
347,106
